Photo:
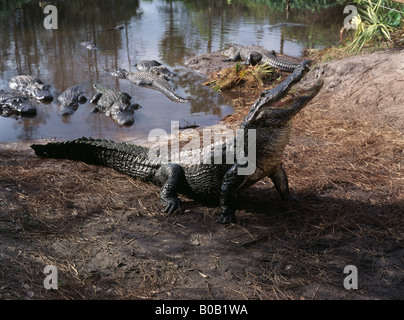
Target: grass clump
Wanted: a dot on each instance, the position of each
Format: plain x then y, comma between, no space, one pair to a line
375,23
241,74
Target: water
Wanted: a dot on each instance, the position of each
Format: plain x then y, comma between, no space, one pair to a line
167,31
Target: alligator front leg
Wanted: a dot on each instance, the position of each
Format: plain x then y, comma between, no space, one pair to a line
281,183
232,181
170,175
253,58
96,97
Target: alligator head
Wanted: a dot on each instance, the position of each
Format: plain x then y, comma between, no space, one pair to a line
120,73
24,108
40,92
122,114
68,109
230,51
275,107
277,113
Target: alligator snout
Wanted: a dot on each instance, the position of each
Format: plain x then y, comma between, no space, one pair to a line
43,95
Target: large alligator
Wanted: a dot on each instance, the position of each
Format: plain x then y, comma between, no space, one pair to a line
70,100
271,118
13,104
257,54
115,104
154,67
152,80
31,86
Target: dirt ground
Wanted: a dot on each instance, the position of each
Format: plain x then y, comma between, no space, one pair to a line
108,238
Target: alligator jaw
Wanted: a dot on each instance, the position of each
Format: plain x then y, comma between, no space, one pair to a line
26,109
43,95
122,114
276,113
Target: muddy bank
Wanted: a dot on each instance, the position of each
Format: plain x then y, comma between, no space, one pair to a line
108,238
364,87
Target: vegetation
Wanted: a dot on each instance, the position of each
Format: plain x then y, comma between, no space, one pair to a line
375,23
251,75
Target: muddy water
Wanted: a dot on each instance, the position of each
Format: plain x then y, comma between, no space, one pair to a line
168,31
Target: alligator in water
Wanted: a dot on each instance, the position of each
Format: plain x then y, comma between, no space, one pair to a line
31,86
115,104
89,45
149,79
155,67
271,116
257,54
13,104
70,100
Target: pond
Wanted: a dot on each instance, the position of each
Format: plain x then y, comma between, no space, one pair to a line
167,31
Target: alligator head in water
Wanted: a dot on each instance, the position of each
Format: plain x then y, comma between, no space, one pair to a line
10,104
31,86
122,113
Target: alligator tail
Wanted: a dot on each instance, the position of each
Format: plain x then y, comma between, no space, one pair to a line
174,96
169,92
126,158
283,65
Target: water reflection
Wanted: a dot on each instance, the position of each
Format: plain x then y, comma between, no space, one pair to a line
168,31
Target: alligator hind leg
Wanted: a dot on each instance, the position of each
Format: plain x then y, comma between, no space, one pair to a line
170,175
232,181
281,183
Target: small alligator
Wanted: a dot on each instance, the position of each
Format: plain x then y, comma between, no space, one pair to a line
70,100
271,116
256,54
155,67
115,104
10,104
286,24
31,86
149,79
89,45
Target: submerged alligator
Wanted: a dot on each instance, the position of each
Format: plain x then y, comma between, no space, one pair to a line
89,45
31,86
115,104
70,100
154,67
149,79
256,54
271,116
13,104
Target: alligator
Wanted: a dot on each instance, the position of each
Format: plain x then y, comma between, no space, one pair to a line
149,79
70,100
155,67
31,86
115,104
89,45
257,54
271,116
10,104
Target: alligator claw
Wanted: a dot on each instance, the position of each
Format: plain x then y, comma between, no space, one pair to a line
173,204
226,218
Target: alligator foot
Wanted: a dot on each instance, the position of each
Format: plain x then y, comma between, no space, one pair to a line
226,218
173,204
